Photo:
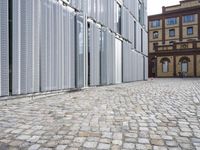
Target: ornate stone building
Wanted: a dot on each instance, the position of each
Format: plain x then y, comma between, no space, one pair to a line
174,41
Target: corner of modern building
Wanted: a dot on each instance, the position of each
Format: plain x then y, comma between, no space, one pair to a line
52,45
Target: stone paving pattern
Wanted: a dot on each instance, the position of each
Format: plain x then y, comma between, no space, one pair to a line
158,114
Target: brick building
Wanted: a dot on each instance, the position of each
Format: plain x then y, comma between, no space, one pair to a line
174,41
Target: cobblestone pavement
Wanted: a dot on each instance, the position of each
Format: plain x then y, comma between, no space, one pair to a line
158,114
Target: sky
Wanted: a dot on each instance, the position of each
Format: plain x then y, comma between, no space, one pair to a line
155,6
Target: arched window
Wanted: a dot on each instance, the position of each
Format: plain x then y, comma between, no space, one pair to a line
165,64
155,34
184,64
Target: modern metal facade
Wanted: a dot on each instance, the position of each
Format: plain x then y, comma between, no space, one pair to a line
49,45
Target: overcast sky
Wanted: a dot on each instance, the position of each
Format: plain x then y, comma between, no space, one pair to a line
155,6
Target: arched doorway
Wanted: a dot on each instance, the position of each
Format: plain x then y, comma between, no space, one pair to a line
184,65
165,64
153,67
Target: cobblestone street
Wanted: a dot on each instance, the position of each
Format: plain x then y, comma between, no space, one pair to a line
157,114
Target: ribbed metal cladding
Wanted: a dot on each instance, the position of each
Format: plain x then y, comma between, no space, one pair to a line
130,63
125,23
104,12
110,15
57,46
94,35
4,49
69,48
146,68
52,48
80,50
107,57
145,43
25,47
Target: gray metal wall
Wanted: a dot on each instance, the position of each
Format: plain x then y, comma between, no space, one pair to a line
57,47
25,74
4,48
53,48
94,49
107,57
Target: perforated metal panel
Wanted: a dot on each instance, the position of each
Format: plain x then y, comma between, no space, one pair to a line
4,48
25,47
80,50
94,40
50,45
107,57
125,23
146,68
131,63
57,46
69,48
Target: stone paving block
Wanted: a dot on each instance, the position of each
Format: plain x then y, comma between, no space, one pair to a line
157,142
117,136
143,141
156,114
103,146
34,147
90,144
61,147
24,137
128,145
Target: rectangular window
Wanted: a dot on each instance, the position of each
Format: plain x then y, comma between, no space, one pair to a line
80,30
172,33
171,21
135,34
189,18
155,23
140,12
184,67
118,17
165,66
141,40
171,42
189,30
155,34
155,45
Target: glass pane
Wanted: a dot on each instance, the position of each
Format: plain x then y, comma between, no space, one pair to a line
165,66
79,52
103,60
117,17
184,67
118,61
189,18
189,30
171,21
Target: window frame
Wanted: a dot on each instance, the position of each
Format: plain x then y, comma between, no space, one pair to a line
170,22
188,33
118,17
188,18
165,62
154,45
140,10
155,23
171,42
155,35
184,62
172,35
